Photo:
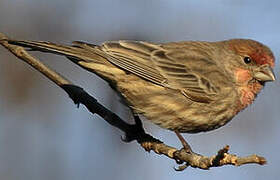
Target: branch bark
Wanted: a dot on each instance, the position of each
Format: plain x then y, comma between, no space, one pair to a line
132,131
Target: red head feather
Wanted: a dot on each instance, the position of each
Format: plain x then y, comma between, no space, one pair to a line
258,52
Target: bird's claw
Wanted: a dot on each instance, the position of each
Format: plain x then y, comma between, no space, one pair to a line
181,167
178,161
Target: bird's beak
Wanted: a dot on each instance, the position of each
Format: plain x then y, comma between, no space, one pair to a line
264,74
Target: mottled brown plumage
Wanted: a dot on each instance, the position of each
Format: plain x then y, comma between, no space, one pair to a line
184,86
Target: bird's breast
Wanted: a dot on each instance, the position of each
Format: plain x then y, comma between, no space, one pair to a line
170,109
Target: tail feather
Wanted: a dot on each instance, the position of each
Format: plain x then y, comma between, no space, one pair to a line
88,56
79,51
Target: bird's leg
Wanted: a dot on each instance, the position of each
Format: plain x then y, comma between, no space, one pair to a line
186,146
137,132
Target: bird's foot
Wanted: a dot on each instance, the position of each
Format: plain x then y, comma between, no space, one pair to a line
137,132
186,146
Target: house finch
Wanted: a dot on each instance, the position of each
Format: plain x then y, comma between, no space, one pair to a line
186,87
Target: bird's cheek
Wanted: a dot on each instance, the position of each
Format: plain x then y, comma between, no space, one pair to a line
242,76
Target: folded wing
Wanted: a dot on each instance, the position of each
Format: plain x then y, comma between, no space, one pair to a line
165,67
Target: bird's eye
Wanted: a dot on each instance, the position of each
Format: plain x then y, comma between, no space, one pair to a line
247,60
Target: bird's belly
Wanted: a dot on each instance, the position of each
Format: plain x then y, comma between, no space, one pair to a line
192,118
172,110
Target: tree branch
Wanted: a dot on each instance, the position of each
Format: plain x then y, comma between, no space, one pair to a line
132,131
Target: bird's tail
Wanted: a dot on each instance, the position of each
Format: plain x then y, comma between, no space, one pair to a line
88,56
78,51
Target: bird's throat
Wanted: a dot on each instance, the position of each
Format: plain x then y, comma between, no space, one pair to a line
248,93
247,88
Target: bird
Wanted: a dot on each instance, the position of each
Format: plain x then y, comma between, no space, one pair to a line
185,86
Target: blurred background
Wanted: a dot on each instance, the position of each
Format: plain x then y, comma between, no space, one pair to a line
44,136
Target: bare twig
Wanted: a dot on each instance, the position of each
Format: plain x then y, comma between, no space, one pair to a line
136,131
200,161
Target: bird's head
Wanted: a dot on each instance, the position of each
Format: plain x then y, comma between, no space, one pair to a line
252,66
255,61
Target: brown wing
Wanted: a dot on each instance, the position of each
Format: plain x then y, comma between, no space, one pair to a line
168,68
134,57
182,69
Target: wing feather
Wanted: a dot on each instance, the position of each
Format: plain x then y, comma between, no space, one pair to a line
163,67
